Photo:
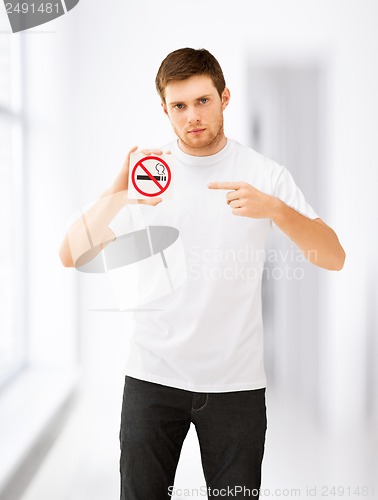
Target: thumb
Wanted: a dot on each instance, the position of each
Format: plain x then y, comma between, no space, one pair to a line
151,201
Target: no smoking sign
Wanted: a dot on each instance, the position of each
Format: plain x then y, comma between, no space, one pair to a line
149,177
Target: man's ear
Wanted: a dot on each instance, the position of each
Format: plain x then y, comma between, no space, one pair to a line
226,96
164,106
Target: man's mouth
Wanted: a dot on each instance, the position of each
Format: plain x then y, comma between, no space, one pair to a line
196,130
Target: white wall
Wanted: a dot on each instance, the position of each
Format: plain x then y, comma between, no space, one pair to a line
90,97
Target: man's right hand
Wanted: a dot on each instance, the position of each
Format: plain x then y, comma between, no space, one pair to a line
90,233
121,182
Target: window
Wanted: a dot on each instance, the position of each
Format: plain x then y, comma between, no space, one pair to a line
12,306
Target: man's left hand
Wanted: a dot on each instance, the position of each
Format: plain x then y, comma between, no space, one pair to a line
248,201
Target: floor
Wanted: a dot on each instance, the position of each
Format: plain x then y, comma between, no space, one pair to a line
299,461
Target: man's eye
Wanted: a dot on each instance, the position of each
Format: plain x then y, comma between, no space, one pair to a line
204,100
179,106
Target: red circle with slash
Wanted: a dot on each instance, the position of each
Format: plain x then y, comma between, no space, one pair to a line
160,188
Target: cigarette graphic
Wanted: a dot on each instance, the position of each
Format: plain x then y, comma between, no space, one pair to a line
160,168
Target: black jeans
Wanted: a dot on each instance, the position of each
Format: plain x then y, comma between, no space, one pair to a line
154,422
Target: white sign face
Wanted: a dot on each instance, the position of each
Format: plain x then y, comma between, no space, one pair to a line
150,176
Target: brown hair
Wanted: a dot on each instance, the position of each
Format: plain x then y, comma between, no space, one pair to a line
184,63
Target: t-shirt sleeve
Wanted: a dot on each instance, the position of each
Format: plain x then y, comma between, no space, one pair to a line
287,191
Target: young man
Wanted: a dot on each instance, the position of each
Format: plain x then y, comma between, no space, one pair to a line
197,354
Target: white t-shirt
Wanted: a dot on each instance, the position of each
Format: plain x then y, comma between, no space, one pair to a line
207,335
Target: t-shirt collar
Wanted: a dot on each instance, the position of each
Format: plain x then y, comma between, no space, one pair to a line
203,160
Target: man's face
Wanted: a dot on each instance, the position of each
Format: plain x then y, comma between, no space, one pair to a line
195,110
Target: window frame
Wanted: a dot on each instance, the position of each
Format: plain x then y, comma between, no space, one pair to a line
12,115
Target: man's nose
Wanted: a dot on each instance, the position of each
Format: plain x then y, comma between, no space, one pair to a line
194,115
